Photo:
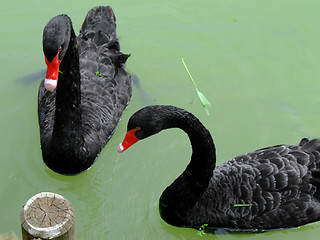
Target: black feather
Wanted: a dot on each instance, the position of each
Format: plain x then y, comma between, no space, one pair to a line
279,186
78,118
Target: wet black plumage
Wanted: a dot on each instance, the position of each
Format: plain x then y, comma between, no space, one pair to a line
279,185
78,118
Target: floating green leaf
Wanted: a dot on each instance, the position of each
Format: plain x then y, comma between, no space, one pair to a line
60,72
243,205
203,99
201,229
205,102
99,74
164,205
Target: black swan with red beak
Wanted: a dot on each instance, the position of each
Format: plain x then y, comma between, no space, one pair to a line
85,90
271,188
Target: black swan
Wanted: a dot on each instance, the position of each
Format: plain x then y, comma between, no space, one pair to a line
271,188
85,91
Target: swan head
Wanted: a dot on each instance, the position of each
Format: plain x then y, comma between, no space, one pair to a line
128,140
142,124
56,38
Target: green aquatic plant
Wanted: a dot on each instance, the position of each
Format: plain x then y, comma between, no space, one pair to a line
99,74
242,205
201,231
205,102
60,72
164,205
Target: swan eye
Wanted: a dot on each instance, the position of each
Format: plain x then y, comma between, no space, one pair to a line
138,128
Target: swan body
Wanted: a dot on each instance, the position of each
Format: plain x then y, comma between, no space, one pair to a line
85,91
271,188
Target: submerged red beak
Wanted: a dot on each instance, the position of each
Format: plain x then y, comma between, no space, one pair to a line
128,141
51,80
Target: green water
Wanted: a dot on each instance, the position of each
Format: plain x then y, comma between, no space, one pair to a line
256,61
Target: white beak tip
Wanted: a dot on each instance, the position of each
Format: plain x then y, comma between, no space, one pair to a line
50,84
120,148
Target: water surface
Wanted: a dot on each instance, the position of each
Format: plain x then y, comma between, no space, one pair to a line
256,61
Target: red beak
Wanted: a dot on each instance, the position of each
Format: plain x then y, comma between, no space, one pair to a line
128,141
51,80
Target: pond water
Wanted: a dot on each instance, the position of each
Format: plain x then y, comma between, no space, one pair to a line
256,61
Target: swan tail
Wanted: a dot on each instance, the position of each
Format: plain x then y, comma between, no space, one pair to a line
315,179
100,26
313,147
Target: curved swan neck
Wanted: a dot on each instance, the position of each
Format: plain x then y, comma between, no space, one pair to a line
68,92
203,157
186,190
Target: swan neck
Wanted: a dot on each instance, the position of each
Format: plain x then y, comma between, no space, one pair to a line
203,157
182,195
68,92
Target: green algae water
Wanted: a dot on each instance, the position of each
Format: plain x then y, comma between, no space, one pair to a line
255,61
